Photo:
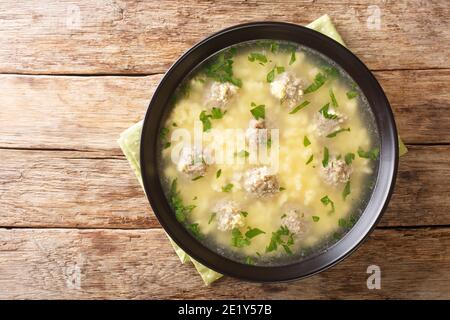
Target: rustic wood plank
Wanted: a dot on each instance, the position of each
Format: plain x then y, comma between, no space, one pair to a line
138,264
146,36
88,113
87,190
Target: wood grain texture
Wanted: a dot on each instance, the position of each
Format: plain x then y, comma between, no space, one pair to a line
86,37
88,113
86,190
141,264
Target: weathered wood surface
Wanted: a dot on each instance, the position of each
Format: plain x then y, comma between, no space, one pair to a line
146,36
36,263
88,113
86,190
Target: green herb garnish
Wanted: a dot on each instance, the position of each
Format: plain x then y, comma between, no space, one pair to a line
195,230
282,237
221,69
204,118
319,80
212,217
306,141
349,157
326,157
196,178
371,154
227,188
324,112
164,137
315,218
181,211
244,213
282,189
326,201
271,75
258,57
333,99
299,107
216,113
335,133
346,191
249,260
238,240
310,159
243,154
253,232
292,60
218,173
352,94
258,112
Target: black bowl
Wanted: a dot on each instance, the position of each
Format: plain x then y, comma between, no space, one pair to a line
378,102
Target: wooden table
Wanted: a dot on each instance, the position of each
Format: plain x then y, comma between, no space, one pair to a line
74,223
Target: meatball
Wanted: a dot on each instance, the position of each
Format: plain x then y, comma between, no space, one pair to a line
261,181
192,162
287,88
337,171
221,93
294,222
228,216
257,132
325,126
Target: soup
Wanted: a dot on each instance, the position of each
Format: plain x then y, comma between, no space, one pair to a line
269,152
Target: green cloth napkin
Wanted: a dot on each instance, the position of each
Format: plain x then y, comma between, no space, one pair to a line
129,142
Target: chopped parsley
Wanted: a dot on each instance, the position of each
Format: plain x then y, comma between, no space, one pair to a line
181,211
227,188
256,56
243,154
218,173
310,159
196,178
216,113
282,237
195,230
164,137
334,102
258,112
324,112
204,118
249,260
271,75
306,141
335,133
352,94
299,107
319,80
349,157
282,189
371,154
212,217
239,240
253,232
274,47
293,58
326,157
243,213
326,201
346,191
315,218
221,68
